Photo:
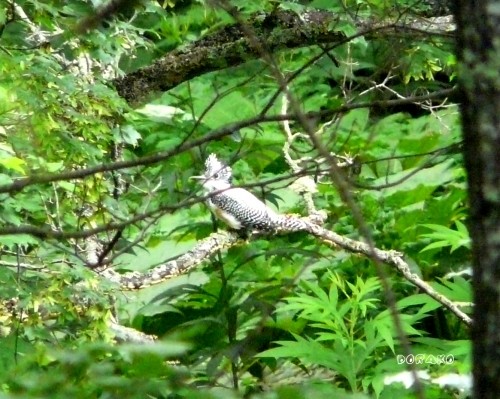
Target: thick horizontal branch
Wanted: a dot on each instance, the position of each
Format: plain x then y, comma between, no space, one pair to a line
218,241
182,265
229,46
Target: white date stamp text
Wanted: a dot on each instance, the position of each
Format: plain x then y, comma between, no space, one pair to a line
425,359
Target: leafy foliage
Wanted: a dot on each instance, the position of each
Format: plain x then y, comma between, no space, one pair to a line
314,318
345,335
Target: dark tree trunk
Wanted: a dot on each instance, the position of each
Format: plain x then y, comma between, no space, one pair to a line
478,33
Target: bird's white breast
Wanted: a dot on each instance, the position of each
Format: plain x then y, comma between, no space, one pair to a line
226,217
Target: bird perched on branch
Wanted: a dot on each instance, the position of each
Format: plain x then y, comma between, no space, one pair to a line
239,208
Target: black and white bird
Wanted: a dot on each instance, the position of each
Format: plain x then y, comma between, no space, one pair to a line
239,208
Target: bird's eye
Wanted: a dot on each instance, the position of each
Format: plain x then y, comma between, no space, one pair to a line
216,176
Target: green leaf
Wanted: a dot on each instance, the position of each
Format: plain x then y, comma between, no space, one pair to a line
11,241
447,237
13,163
128,135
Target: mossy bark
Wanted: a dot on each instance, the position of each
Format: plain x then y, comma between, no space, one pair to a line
478,35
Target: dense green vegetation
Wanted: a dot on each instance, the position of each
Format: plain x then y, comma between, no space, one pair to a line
91,175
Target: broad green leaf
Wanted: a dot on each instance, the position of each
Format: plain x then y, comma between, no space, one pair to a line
447,237
14,163
10,241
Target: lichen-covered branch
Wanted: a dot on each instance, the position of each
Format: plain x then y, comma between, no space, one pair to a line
218,241
207,247
230,46
182,265
391,258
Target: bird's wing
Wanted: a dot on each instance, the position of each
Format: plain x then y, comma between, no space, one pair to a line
246,208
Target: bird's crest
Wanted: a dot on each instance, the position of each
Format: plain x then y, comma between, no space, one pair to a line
215,169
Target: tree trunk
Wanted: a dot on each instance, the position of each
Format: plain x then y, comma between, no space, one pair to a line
478,34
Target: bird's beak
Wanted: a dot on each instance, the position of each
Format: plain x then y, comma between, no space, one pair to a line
198,177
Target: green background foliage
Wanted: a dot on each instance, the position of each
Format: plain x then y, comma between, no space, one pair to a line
281,317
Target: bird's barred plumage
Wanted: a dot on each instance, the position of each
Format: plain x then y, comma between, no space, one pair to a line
239,208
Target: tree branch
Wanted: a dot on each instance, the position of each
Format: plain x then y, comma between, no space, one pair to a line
224,131
182,265
207,247
279,30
